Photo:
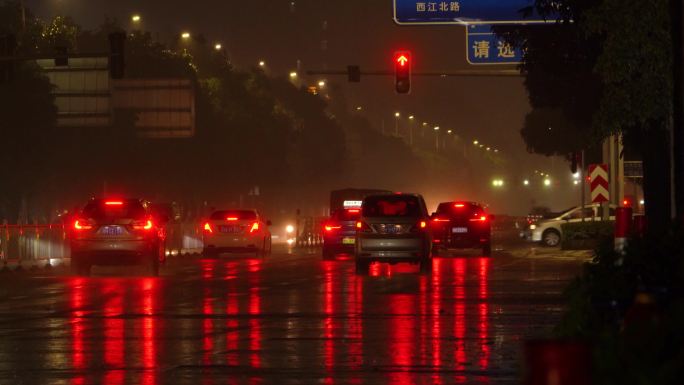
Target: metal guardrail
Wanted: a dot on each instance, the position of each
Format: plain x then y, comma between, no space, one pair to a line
32,244
40,245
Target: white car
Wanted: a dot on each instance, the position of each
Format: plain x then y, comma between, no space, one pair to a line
549,231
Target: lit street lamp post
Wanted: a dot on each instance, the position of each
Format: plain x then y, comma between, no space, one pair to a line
411,118
437,138
396,123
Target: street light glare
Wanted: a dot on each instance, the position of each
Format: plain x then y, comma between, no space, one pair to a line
321,83
185,35
262,63
293,74
475,142
359,108
411,117
449,132
218,46
135,18
437,128
526,182
547,182
396,114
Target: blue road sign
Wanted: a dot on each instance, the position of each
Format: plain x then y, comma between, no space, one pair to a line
464,12
484,47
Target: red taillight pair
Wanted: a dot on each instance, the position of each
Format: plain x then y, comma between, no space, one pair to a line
208,229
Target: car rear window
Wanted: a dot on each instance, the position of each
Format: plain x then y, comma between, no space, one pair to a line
391,206
114,209
459,209
241,215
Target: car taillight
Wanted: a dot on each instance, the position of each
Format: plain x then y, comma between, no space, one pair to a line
143,225
363,227
331,227
82,224
207,228
255,227
438,220
479,218
422,224
113,203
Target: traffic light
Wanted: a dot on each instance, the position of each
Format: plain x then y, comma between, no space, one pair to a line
354,74
402,71
8,47
117,45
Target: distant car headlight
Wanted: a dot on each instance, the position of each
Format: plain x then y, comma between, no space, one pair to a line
289,229
533,227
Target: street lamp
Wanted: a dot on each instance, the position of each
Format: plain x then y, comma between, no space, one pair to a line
185,35
476,142
136,18
396,123
411,117
218,46
359,108
436,128
321,83
396,114
293,75
547,182
262,63
526,182
449,132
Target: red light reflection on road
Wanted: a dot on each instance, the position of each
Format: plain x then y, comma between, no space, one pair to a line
460,317
149,356
402,308
483,324
436,317
254,269
232,324
114,332
77,302
328,327
356,327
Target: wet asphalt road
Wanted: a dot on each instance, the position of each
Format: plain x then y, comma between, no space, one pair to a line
290,318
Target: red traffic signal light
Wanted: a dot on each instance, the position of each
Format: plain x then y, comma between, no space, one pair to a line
402,71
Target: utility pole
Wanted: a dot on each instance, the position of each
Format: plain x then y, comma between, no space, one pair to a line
677,30
583,176
23,16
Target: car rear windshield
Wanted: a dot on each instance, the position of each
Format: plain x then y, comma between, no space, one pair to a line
239,215
115,209
346,214
459,209
391,206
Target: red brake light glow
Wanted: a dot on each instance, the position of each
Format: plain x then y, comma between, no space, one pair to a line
255,227
232,219
459,205
113,203
480,218
82,225
332,227
441,220
207,228
354,211
143,225
423,224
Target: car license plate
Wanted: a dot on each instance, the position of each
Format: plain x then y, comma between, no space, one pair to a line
459,230
112,230
229,229
348,241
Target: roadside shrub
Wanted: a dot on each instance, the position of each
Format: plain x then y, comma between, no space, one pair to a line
586,235
631,308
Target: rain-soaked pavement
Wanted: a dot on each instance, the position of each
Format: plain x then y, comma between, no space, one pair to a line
290,318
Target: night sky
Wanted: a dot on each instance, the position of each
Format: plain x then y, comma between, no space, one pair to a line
327,34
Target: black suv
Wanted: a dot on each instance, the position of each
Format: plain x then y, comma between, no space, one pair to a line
461,225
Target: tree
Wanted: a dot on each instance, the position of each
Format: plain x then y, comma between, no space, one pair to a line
604,67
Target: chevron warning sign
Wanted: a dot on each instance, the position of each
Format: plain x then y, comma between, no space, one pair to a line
598,174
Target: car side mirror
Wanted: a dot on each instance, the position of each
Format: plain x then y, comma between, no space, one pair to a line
269,223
